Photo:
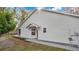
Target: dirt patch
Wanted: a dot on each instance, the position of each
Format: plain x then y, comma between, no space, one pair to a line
10,43
20,42
5,42
3,38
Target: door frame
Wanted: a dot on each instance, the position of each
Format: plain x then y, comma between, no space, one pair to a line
35,32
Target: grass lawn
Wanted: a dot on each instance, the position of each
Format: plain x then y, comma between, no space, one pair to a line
20,45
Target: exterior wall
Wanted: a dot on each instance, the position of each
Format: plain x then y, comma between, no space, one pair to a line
59,27
24,31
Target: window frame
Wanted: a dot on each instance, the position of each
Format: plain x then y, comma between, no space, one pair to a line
44,30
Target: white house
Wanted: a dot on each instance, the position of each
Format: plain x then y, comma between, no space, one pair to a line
50,26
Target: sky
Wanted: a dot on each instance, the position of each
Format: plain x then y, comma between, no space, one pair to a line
60,9
29,9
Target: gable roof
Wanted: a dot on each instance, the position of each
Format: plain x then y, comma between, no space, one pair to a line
33,24
25,19
67,14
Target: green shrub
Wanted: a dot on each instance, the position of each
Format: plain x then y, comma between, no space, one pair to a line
7,22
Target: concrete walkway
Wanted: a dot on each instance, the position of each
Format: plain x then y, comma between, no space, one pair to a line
53,44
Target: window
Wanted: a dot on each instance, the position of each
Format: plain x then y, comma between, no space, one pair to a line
19,31
70,39
33,31
44,30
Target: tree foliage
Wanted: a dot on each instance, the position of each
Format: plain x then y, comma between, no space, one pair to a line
7,22
72,10
20,14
